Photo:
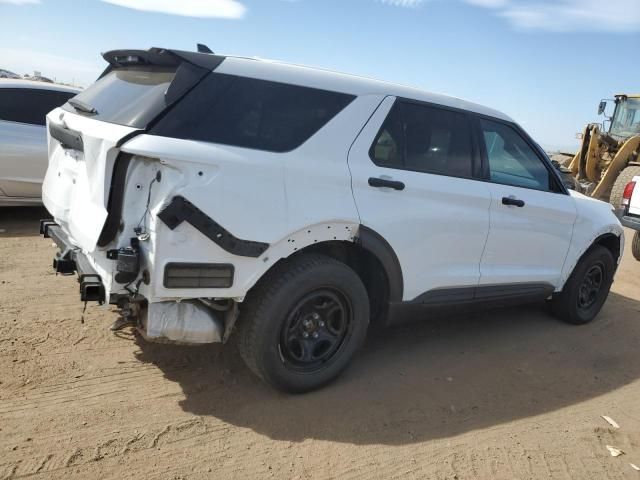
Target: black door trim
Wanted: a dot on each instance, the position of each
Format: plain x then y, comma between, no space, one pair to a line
517,292
376,244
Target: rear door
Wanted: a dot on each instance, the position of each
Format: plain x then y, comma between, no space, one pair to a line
412,168
23,137
531,216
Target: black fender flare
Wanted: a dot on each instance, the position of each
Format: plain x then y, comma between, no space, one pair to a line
375,243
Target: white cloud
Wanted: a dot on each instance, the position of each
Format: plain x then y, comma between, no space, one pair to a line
187,8
403,3
63,69
21,2
568,15
489,3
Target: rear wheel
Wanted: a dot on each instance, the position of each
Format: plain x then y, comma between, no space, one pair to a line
304,322
617,190
587,288
635,246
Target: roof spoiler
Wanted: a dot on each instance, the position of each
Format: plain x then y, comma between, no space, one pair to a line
160,57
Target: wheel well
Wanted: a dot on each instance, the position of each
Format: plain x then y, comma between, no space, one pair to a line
611,242
367,267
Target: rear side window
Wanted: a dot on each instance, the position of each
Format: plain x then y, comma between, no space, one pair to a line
30,106
251,113
511,160
424,139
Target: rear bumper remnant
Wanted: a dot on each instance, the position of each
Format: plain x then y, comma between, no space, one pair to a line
69,259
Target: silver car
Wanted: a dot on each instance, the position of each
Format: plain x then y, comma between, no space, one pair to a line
23,137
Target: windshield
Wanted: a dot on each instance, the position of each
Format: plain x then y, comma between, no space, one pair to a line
626,120
132,96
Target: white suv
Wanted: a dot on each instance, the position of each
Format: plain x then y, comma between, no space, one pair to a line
194,190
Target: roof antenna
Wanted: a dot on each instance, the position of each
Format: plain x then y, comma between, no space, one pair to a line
202,48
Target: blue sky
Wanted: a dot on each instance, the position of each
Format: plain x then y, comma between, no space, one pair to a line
547,63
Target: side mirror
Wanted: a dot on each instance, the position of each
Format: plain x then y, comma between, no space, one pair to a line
602,107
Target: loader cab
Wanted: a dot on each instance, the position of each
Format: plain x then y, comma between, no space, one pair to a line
625,121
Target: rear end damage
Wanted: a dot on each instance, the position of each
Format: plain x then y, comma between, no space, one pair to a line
173,299
111,245
176,231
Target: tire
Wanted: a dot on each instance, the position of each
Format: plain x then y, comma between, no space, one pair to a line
635,246
580,301
617,190
303,323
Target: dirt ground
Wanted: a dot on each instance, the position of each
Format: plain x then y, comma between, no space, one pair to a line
509,394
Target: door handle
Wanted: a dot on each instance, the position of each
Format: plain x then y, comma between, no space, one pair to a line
512,201
383,182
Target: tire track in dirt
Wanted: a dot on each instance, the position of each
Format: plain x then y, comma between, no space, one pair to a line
115,447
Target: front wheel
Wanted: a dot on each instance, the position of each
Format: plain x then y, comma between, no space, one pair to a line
587,289
303,323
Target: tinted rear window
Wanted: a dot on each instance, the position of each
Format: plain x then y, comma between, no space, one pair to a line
31,106
251,113
424,139
132,96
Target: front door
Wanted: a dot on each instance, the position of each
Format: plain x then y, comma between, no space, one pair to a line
531,218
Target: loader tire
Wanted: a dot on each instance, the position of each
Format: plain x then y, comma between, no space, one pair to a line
635,246
625,177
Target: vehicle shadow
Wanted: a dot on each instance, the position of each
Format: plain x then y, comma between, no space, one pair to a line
432,378
21,221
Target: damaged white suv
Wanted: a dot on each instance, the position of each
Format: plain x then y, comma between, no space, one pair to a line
194,190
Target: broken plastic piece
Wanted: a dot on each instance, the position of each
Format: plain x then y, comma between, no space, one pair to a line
611,421
615,452
635,467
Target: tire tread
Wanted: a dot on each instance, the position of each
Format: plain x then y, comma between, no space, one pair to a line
617,190
563,304
262,294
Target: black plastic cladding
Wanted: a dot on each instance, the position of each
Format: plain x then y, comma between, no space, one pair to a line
116,199
182,210
68,138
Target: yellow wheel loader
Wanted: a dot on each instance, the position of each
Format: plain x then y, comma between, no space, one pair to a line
608,158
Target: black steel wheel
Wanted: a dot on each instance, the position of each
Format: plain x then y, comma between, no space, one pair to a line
302,324
590,288
587,288
315,330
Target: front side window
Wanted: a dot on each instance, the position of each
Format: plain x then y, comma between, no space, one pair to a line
30,106
511,160
424,139
251,113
